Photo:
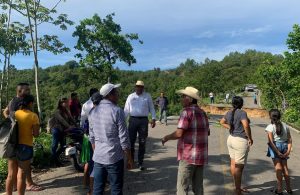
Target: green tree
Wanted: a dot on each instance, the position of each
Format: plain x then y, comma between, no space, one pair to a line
36,15
102,44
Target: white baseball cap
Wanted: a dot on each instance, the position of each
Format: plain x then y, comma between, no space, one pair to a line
106,89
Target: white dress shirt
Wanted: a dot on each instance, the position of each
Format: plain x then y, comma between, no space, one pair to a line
86,108
139,105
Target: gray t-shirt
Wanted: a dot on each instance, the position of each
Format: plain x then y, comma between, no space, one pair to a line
279,138
239,115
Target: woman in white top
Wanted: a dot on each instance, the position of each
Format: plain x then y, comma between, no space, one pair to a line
280,144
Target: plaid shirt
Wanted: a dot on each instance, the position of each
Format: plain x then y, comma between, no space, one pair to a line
193,145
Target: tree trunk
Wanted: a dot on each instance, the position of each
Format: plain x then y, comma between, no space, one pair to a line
36,63
1,86
7,79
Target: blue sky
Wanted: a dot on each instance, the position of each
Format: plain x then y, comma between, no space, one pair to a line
174,30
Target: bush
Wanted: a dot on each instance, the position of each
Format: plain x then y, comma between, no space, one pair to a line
42,150
291,115
3,172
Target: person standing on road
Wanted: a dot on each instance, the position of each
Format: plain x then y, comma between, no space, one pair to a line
137,106
162,102
86,108
23,89
227,98
192,149
28,127
239,140
280,145
212,97
110,141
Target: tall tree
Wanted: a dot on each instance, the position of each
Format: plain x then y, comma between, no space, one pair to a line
37,14
102,43
13,41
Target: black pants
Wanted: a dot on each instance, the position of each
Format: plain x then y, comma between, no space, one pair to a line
138,126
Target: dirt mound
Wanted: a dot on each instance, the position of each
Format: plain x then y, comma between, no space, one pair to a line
221,110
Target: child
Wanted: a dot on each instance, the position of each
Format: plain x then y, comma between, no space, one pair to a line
280,144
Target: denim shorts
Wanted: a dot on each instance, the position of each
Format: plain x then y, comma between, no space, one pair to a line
24,152
282,148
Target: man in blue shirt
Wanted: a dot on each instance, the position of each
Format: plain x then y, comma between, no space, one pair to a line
110,140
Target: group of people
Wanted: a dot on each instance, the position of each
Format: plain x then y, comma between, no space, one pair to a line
112,141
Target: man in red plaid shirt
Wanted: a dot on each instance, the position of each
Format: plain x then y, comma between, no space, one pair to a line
192,149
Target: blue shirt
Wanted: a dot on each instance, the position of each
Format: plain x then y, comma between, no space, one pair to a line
108,132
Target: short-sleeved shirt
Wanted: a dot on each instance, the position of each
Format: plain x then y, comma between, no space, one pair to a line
278,138
193,145
239,115
26,120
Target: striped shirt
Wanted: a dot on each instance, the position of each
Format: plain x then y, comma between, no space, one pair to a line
193,145
108,132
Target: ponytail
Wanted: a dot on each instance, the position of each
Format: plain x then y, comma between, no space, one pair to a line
275,116
237,103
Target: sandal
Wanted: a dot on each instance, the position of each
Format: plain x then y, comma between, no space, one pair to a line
35,188
244,190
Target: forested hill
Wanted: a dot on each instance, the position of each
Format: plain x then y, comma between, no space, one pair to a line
227,75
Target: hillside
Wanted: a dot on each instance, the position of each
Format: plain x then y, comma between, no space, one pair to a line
227,75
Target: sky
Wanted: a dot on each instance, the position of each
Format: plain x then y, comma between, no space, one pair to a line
174,30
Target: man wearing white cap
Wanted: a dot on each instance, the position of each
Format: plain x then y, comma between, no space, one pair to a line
138,105
192,149
110,140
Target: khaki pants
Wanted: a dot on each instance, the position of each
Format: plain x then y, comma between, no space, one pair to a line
189,175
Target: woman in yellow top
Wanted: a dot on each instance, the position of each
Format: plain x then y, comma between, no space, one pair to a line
29,125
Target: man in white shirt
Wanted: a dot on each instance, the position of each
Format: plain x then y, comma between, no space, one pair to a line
86,108
137,106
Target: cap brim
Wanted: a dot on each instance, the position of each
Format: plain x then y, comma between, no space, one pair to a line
117,85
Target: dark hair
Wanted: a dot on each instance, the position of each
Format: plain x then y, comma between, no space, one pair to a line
92,91
275,117
23,84
96,98
60,102
194,101
73,94
237,103
27,99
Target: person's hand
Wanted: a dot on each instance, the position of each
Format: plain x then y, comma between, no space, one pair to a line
164,140
280,155
285,155
129,163
250,142
153,123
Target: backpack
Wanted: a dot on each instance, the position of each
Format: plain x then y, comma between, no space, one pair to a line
8,138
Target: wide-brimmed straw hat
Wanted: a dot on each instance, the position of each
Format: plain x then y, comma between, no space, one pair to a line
191,92
139,83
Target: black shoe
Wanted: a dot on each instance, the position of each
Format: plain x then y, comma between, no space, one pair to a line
289,191
279,193
141,167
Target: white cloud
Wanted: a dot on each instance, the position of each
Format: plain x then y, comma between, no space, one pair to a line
200,54
243,32
206,34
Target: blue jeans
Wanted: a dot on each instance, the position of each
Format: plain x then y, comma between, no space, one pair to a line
115,173
57,138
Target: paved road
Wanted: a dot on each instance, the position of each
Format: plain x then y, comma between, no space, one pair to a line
160,177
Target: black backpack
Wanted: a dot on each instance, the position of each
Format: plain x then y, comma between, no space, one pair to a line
8,138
